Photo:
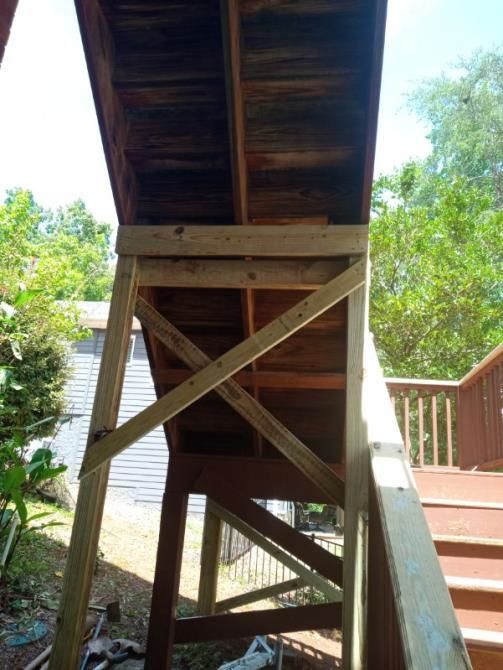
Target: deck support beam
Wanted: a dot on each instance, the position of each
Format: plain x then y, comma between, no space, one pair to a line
161,632
273,241
354,618
210,559
89,511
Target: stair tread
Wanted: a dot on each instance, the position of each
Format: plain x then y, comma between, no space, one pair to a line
457,502
475,584
486,638
468,539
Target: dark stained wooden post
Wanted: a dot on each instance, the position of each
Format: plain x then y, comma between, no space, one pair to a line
167,574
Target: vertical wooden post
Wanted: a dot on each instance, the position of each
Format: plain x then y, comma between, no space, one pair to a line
210,559
354,616
88,514
434,428
167,574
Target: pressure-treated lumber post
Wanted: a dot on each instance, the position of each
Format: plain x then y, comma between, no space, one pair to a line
167,574
354,617
87,523
210,558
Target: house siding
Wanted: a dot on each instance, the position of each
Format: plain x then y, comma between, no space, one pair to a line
140,470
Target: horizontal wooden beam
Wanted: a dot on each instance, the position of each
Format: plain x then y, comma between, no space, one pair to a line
258,595
224,367
311,578
248,240
254,477
301,546
240,274
324,381
262,622
259,418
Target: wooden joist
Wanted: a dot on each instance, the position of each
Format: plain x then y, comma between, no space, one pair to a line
301,546
258,417
241,274
240,241
262,622
289,561
224,367
325,381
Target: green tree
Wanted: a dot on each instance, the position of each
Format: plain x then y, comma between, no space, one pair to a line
464,113
67,253
436,287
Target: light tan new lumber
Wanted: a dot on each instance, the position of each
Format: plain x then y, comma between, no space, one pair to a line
224,367
262,420
247,240
89,511
252,274
258,595
312,578
210,559
354,607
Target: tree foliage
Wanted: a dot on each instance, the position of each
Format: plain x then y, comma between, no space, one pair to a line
66,253
437,232
46,260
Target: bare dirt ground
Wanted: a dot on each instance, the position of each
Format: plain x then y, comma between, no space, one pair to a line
124,572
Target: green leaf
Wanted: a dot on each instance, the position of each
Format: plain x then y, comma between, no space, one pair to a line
25,296
13,479
21,508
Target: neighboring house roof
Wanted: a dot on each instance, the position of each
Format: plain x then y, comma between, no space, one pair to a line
95,314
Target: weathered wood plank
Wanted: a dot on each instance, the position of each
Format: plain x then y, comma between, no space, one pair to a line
231,35
87,523
309,577
260,274
267,425
297,544
262,622
259,594
354,612
224,367
276,241
98,48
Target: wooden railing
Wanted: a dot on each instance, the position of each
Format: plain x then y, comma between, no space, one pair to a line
480,420
426,412
453,423
411,621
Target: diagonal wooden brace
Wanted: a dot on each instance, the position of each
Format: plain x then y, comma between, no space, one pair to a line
302,547
251,410
224,367
312,578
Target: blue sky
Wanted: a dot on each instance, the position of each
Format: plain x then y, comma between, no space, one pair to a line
49,139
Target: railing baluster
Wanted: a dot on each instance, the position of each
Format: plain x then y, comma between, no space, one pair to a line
406,424
434,428
448,428
420,417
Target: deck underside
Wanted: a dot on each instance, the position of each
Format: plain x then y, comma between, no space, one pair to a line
262,113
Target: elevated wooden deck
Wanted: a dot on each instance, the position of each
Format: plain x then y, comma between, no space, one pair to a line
240,137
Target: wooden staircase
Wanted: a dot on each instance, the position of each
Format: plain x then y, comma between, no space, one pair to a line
464,511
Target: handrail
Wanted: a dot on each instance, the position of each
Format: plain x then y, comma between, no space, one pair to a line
429,633
490,361
480,414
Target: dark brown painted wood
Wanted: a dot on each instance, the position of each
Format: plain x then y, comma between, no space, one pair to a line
262,622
